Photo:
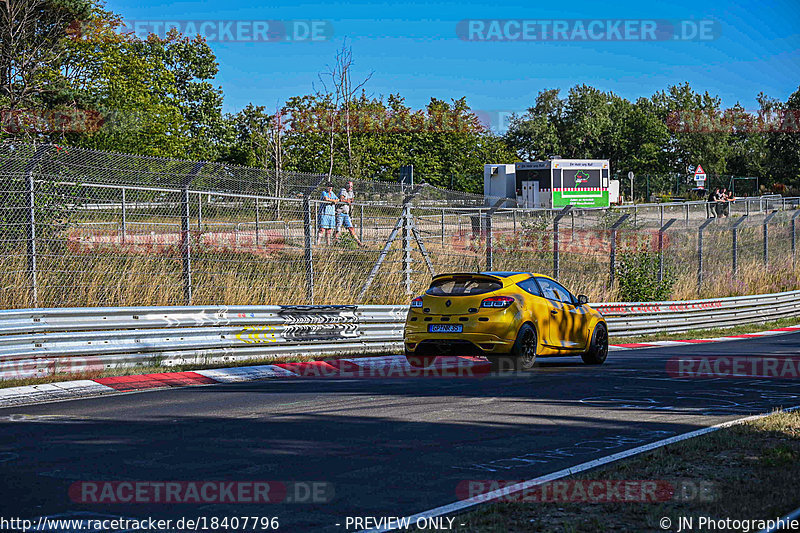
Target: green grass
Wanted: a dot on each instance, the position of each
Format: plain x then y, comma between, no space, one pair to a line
750,471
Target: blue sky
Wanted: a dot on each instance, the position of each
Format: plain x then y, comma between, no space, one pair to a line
413,48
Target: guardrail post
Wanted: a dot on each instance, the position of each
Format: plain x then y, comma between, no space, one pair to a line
186,247
407,248
307,241
556,257
687,215
700,252
124,216
661,231
613,254
766,236
735,244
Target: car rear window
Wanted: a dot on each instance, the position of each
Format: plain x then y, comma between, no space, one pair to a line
463,286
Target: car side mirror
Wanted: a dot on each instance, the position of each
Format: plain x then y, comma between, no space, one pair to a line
583,299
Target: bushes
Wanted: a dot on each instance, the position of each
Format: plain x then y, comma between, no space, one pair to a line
637,274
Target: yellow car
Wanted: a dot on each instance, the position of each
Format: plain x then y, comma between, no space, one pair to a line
508,317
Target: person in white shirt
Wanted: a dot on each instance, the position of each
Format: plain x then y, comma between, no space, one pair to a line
343,219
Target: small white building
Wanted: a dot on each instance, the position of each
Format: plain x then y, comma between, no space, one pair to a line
553,183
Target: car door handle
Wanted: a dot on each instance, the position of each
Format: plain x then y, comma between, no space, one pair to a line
554,311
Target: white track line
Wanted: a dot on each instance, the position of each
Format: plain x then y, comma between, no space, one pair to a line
782,522
461,505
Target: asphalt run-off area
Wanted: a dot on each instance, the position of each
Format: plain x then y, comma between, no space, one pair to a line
325,450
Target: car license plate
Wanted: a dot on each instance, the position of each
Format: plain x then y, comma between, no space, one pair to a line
445,328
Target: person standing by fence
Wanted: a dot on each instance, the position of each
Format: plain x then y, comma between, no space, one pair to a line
327,214
343,219
711,206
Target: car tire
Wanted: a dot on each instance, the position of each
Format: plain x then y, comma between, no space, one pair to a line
523,354
419,361
598,346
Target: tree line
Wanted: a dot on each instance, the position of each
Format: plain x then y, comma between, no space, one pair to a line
67,75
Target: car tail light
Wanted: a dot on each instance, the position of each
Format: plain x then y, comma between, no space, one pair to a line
497,301
416,302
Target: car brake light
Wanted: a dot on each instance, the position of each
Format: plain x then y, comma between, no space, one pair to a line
497,301
416,302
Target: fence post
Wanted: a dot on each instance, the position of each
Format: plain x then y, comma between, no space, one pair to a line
31,227
660,215
186,247
489,244
307,241
514,222
124,216
407,248
556,258
661,231
199,211
31,222
794,236
766,236
258,225
613,255
700,252
442,226
572,223
489,251
735,244
361,224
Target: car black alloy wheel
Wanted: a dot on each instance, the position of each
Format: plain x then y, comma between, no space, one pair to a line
598,346
522,355
527,354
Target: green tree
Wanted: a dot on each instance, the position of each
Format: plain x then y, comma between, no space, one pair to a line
784,143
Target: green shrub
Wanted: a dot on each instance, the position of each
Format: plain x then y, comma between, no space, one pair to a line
637,273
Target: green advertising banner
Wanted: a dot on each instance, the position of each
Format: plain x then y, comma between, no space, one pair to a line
580,198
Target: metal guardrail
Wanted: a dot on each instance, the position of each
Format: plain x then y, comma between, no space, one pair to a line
39,342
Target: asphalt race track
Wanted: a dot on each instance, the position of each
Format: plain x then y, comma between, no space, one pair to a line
389,447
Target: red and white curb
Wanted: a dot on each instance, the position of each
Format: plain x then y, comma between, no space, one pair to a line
360,367
684,342
392,366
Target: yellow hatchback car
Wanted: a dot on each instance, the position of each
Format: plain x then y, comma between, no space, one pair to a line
508,317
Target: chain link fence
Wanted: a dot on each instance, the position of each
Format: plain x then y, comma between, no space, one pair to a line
86,228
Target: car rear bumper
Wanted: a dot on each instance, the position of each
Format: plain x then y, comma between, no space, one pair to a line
457,344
